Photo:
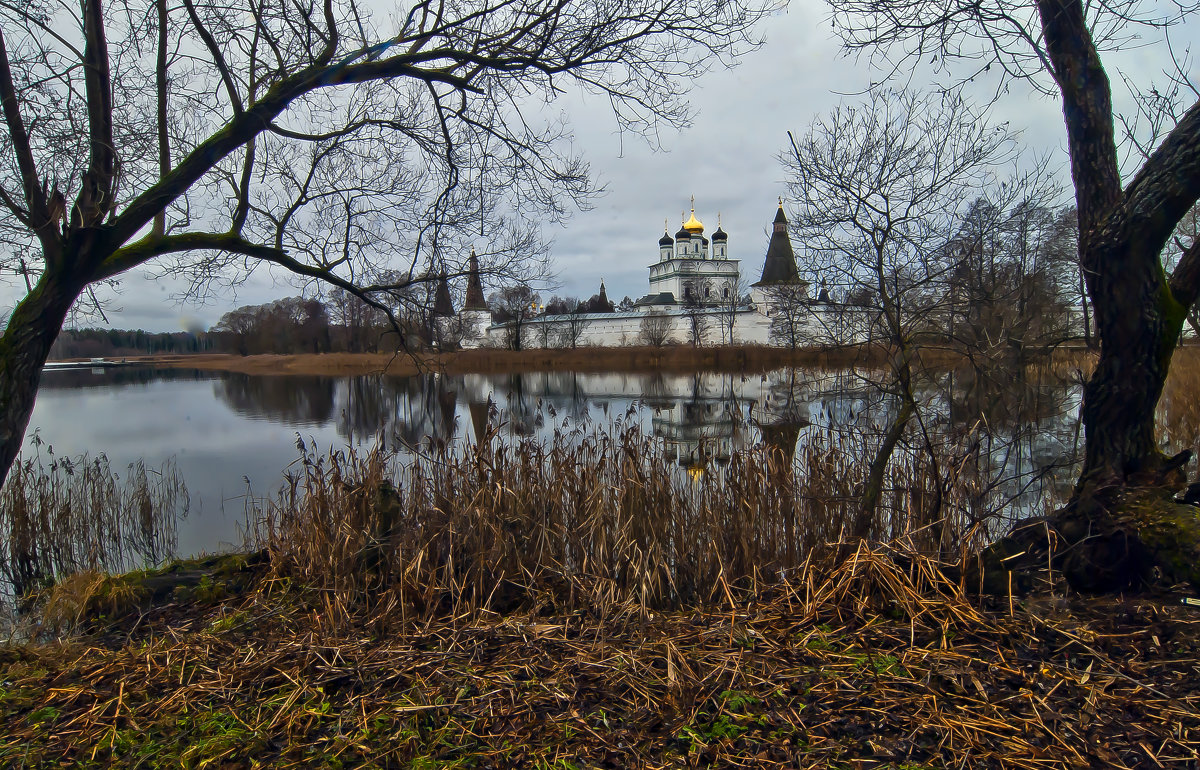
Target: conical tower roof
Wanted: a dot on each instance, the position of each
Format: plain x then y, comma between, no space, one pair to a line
780,264
475,300
442,304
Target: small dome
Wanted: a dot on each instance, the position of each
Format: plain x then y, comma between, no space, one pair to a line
666,240
720,235
683,235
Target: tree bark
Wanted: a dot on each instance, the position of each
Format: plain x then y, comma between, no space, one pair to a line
1138,322
24,347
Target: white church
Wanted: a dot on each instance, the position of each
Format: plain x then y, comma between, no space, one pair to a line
696,296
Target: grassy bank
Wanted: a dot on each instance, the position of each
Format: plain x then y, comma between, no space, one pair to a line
675,358
583,603
862,665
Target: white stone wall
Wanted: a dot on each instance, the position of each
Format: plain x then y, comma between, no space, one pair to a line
824,324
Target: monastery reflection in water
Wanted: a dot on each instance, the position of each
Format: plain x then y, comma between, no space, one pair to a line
699,419
1023,427
1019,436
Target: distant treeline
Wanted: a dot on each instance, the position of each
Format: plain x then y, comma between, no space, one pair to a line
108,343
338,322
289,325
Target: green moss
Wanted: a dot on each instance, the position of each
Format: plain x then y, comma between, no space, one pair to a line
1174,314
1171,532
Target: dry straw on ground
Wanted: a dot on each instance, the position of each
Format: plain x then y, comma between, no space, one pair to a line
862,665
585,603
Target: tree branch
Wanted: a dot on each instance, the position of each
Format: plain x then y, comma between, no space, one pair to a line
242,127
35,197
160,88
1185,279
148,248
95,198
1087,110
1166,186
235,101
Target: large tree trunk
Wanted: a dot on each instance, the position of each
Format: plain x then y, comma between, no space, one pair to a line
1121,396
1122,519
24,346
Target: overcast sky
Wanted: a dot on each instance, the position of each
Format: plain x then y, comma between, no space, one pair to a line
728,160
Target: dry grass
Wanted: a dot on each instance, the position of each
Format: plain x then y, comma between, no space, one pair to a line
61,516
588,518
585,359
855,664
1179,407
586,603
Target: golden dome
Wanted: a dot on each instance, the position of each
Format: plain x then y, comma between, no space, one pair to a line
693,225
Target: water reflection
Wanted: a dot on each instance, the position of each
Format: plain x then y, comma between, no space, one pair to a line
1010,441
115,376
293,399
1013,436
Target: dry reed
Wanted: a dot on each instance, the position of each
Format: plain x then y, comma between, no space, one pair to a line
590,518
584,602
60,516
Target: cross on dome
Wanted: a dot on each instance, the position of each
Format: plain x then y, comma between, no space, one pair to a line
693,225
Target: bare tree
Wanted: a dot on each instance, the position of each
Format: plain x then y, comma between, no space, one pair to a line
877,186
323,138
357,324
655,329
790,310
698,309
571,328
731,299
1055,46
1012,266
513,305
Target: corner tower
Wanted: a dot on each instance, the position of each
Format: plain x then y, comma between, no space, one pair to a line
779,267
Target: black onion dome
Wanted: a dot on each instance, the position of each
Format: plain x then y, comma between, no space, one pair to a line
683,234
666,240
720,235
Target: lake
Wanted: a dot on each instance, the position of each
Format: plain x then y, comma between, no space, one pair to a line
231,436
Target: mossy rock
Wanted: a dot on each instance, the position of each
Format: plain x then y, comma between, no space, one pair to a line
92,599
1121,543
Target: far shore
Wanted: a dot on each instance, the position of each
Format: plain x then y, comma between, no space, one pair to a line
624,359
744,359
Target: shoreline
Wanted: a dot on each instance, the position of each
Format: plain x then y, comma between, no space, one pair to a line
744,359
755,359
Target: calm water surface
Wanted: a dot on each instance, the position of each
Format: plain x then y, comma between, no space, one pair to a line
231,435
